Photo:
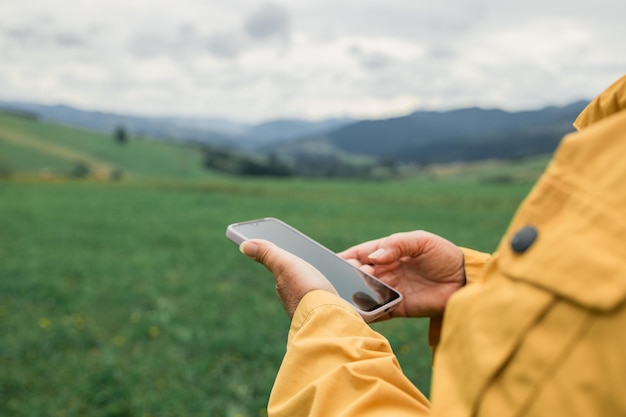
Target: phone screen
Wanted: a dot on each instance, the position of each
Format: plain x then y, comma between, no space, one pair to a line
362,290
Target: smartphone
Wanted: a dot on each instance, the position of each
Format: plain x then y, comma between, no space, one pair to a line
370,296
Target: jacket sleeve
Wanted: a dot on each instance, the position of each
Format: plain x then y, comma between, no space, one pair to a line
474,263
336,365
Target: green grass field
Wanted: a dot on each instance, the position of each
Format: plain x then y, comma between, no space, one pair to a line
125,298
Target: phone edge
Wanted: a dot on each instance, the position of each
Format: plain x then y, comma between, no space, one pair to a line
368,316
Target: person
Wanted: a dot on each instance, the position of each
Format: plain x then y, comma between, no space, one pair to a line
536,329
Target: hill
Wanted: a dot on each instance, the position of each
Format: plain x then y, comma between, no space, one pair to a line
202,130
30,146
171,128
437,137
33,147
277,131
422,137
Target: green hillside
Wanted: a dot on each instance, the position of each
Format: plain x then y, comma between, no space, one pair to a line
25,146
124,298
31,147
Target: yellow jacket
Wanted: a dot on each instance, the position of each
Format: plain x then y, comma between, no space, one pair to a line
541,331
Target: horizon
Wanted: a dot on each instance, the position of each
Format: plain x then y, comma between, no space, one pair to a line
218,119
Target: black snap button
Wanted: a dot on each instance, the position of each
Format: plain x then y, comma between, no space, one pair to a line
523,239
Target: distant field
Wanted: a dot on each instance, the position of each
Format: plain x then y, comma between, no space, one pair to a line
125,299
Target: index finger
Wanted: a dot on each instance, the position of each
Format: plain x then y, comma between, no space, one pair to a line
361,252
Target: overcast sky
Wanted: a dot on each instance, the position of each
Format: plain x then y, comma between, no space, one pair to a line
253,60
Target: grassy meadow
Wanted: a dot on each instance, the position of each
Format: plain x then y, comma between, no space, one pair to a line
124,298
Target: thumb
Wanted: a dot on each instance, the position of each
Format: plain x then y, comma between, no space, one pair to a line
294,276
274,258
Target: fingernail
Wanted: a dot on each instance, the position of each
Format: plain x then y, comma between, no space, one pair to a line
249,249
378,253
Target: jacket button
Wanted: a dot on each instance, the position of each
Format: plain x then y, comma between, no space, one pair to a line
523,239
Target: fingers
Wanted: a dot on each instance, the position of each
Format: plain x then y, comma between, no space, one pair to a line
360,252
400,245
389,249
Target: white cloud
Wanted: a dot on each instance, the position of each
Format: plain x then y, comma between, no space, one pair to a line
257,60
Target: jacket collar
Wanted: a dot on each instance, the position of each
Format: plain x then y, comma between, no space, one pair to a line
611,101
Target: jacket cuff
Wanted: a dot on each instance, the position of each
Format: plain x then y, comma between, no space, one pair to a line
313,301
474,263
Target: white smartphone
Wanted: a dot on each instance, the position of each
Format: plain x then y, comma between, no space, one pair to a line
370,296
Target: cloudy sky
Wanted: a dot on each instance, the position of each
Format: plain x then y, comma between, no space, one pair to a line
253,60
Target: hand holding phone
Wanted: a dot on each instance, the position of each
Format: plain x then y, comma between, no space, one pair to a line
371,297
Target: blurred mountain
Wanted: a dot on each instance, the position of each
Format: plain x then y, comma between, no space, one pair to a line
289,130
458,135
421,137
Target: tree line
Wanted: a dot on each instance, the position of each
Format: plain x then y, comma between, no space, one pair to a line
238,163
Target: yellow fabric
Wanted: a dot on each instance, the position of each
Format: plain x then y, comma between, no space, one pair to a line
611,101
474,263
336,365
541,333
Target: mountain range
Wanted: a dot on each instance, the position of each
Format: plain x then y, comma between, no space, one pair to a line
458,135
421,137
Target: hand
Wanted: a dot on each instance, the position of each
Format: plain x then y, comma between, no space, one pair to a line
427,269
294,277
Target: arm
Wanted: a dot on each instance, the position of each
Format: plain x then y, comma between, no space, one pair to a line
336,365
